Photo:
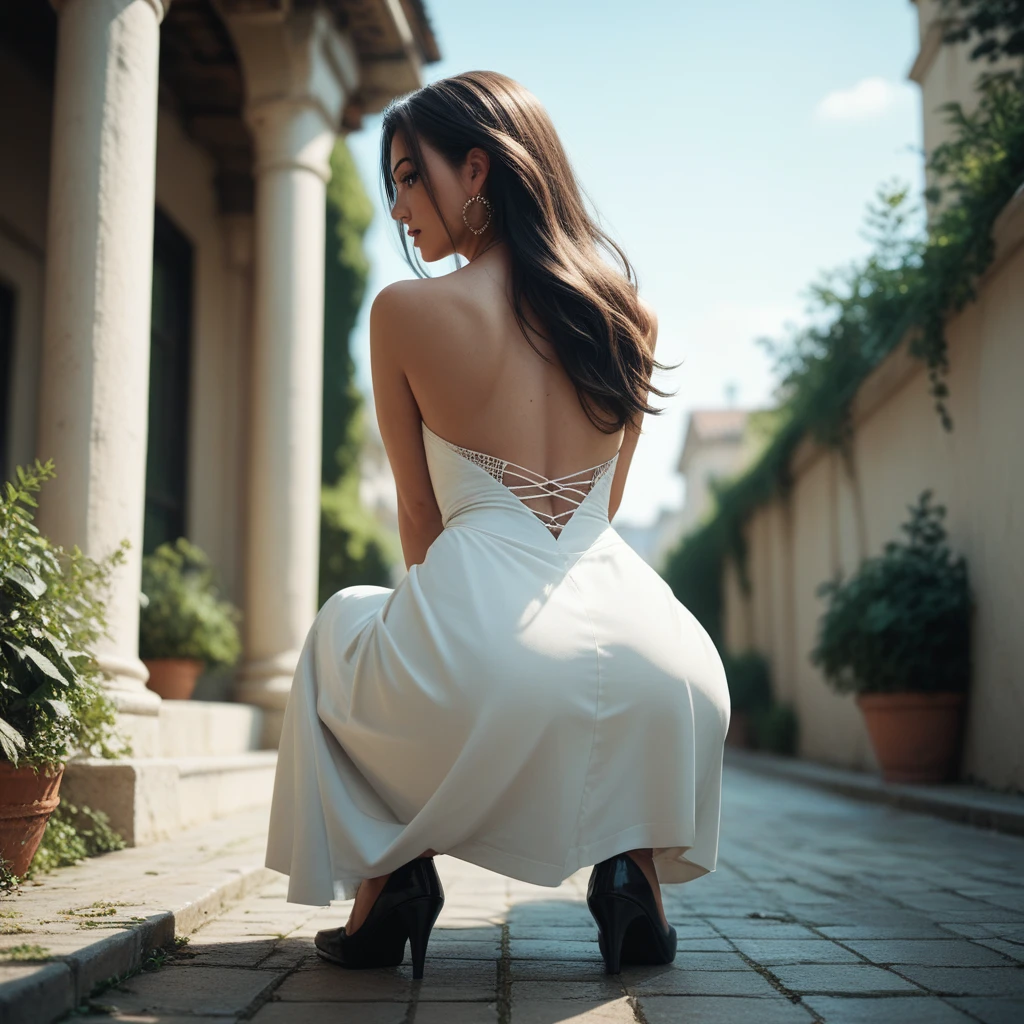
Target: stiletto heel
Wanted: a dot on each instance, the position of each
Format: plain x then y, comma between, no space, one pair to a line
629,925
419,917
405,909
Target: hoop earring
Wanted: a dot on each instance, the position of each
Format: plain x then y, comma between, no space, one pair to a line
490,210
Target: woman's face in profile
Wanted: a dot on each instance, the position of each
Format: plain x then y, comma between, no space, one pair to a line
413,206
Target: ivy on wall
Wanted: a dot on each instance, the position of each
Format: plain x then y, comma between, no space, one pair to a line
913,282
354,547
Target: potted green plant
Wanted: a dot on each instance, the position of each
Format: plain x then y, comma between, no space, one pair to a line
52,704
184,624
750,694
897,634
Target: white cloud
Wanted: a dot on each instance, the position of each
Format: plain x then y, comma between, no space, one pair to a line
869,98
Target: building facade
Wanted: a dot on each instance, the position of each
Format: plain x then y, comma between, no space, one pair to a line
162,212
840,510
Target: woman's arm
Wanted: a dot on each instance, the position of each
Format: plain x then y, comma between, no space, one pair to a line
631,436
398,416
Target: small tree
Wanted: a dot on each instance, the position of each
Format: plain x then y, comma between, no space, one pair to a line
902,621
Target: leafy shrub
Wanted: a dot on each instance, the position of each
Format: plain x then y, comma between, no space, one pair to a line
750,687
902,621
182,613
52,702
776,729
72,834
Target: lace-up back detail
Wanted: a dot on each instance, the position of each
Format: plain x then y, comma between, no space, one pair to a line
568,487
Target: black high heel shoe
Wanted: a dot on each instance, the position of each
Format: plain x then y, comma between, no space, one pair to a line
406,908
629,926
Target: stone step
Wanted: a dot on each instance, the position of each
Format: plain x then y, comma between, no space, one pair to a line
101,917
150,800
201,728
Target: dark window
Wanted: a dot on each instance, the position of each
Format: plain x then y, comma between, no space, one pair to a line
167,447
6,371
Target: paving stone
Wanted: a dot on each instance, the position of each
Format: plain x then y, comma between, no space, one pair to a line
607,987
478,933
930,952
330,1013
718,945
695,983
992,1009
451,1013
968,981
162,1018
438,946
1014,950
555,970
443,980
796,951
203,951
542,949
553,933
561,1011
704,961
722,1010
209,990
565,915
904,1009
752,928
860,979
981,930
915,930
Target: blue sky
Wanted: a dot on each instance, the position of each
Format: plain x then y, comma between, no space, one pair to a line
731,149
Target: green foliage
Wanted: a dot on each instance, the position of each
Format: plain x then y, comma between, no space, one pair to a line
25,951
354,548
346,272
773,725
997,24
911,284
776,729
52,614
72,834
182,613
749,678
902,621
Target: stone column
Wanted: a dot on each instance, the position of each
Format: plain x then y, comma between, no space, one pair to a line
297,73
94,391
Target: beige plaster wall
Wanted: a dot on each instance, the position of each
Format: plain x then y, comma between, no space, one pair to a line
840,513
185,192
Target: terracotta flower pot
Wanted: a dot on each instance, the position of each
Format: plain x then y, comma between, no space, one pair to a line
26,802
916,736
173,678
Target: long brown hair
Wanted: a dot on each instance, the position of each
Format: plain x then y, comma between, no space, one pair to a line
598,327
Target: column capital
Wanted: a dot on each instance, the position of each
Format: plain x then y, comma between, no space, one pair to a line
300,71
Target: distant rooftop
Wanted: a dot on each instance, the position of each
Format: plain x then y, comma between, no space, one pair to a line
713,426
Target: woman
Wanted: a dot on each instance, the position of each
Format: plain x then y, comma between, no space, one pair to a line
531,697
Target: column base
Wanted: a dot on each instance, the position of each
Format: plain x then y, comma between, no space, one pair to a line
138,708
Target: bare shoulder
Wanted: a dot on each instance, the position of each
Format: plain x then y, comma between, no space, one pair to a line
421,299
395,300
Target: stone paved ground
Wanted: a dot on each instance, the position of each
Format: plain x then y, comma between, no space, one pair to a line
822,909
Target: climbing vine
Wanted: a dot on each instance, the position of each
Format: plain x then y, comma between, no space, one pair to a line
916,278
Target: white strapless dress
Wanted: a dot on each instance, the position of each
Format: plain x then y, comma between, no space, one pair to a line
526,700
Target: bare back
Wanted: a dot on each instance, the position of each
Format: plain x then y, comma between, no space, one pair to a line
480,385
